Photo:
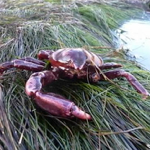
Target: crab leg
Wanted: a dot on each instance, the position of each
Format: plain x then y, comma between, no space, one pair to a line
44,54
33,60
52,103
27,63
133,81
110,65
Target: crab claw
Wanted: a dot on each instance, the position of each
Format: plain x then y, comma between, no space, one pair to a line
53,103
77,112
59,106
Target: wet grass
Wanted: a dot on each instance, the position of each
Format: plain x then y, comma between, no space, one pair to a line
121,118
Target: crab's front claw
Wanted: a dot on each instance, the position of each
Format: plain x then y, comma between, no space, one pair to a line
52,103
77,112
59,106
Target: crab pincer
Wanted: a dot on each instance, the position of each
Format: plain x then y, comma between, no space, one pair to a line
53,103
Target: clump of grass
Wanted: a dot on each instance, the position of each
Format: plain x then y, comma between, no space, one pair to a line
120,117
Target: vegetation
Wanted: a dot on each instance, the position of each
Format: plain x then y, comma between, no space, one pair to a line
121,118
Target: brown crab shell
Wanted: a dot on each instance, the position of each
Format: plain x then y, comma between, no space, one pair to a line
74,58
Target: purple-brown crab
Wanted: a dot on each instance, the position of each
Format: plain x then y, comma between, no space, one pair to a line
66,63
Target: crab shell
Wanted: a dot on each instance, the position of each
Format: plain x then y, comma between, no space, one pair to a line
76,59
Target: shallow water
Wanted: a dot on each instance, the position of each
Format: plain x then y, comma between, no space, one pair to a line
135,36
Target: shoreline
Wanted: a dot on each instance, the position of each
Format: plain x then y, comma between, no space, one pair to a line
144,4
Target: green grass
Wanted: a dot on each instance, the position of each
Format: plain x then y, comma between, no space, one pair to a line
121,118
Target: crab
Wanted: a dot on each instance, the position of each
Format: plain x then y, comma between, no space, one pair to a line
67,63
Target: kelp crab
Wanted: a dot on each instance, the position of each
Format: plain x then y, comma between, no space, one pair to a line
66,63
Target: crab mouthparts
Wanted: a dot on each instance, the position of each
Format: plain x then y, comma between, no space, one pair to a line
78,66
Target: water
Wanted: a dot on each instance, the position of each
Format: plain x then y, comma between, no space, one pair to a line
135,36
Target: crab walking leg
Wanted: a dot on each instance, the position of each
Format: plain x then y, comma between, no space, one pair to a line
134,82
33,65
52,103
33,60
110,65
